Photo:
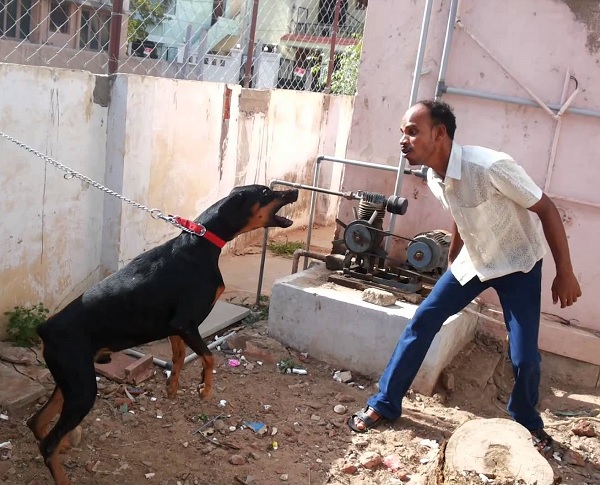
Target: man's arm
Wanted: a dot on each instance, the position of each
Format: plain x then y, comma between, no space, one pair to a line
456,244
565,286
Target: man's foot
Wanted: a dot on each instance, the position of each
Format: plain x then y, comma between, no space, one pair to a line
364,420
542,441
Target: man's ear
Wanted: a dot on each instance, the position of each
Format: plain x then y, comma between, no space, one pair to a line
439,132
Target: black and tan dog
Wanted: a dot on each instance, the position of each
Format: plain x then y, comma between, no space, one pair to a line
165,292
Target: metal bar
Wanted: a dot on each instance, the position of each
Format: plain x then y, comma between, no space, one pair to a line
336,21
114,41
192,356
557,129
414,92
543,105
447,48
313,205
347,195
515,100
306,254
250,51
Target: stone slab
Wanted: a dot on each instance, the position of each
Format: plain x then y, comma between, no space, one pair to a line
222,316
17,390
333,324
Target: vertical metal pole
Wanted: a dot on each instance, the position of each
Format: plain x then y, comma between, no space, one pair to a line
250,51
182,73
446,50
334,31
414,92
114,42
313,205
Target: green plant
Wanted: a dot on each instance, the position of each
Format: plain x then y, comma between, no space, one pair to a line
145,15
258,312
344,79
23,323
286,248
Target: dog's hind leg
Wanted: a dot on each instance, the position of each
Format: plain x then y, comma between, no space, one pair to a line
77,381
178,351
38,422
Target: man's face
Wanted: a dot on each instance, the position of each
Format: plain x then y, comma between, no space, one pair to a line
418,140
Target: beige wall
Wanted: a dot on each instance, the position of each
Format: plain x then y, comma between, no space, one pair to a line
164,143
538,41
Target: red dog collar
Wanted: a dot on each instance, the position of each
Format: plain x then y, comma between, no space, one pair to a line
200,230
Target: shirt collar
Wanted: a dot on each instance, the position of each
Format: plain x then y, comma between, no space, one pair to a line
454,164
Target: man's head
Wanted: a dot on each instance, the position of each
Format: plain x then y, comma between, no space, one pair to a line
427,132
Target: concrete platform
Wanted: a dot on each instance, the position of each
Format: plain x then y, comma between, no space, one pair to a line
333,324
16,390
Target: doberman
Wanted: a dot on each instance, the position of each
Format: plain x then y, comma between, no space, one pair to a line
165,292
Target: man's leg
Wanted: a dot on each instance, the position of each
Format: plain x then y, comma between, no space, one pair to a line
520,295
447,298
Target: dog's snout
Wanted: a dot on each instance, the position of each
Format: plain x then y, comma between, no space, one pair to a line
291,195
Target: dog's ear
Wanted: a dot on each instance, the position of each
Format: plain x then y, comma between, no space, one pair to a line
233,204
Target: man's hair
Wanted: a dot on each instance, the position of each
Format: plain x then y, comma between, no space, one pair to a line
441,114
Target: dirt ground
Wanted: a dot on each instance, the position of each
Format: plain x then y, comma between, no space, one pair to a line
156,440
305,439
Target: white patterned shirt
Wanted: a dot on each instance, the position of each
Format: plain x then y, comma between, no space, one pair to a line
488,194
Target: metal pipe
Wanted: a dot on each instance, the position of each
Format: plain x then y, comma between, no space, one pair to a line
447,47
114,41
336,21
542,105
414,92
192,356
346,195
313,204
250,51
308,254
515,100
557,129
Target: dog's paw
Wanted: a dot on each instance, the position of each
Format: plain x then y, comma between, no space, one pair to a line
204,391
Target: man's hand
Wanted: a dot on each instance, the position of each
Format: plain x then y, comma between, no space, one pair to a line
565,288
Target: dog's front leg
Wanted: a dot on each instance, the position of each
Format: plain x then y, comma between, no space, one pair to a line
197,344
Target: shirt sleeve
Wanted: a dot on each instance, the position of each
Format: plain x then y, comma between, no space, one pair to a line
512,181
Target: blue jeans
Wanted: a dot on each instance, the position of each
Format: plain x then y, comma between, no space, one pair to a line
520,295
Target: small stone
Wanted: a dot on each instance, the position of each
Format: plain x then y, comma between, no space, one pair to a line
344,398
339,409
392,462
448,381
255,455
378,297
186,444
370,459
284,477
250,366
147,463
236,460
584,428
573,458
314,405
349,469
342,376
315,417
361,443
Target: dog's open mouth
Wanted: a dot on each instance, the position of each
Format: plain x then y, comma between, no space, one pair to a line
289,197
281,221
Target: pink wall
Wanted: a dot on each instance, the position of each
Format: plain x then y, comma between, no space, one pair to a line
538,41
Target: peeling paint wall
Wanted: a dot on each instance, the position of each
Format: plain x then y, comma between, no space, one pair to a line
51,227
174,145
538,41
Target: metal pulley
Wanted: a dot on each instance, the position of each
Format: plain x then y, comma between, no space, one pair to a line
429,250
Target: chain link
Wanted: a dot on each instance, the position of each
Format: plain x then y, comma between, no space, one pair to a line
70,174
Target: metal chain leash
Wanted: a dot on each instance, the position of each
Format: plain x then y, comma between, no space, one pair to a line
154,213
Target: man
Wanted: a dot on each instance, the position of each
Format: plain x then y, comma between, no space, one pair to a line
496,244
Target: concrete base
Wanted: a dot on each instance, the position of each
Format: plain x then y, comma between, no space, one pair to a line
333,324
